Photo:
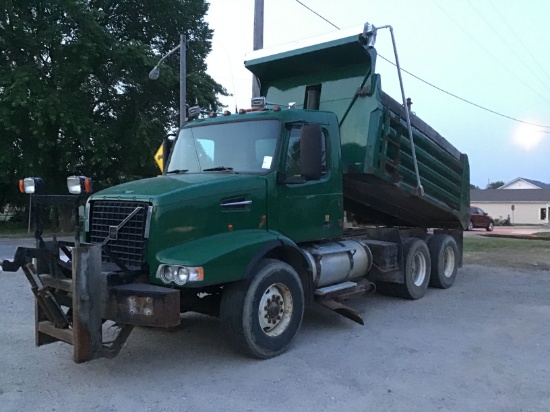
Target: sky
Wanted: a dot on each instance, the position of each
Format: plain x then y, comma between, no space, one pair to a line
495,54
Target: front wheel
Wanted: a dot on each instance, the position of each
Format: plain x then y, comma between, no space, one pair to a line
262,316
490,227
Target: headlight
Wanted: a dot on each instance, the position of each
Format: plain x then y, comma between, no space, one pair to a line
182,275
179,275
167,274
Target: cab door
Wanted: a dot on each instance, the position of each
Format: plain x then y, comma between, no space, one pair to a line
310,209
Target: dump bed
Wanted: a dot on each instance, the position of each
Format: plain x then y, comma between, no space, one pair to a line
380,183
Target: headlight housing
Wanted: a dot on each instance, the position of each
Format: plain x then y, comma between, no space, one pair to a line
31,185
179,275
79,184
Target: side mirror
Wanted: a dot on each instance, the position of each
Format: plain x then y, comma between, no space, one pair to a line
311,152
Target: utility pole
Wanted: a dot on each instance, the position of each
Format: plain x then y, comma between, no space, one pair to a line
258,39
183,78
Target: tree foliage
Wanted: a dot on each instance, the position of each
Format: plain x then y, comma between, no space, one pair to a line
495,185
75,97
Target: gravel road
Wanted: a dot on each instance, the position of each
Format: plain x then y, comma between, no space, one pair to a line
482,345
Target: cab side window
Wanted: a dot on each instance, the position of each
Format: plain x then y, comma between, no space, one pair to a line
293,153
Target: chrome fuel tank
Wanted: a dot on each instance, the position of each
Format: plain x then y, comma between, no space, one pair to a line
338,262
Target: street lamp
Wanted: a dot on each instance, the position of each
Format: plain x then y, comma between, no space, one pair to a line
155,73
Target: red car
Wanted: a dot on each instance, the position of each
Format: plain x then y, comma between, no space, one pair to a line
479,218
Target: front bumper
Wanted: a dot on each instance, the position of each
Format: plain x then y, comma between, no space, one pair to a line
142,304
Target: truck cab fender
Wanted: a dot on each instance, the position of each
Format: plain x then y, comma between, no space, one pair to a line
284,249
233,256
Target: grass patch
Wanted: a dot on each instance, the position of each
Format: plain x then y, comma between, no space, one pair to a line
17,230
545,235
488,244
505,252
13,229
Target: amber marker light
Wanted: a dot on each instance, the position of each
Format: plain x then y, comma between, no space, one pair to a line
196,274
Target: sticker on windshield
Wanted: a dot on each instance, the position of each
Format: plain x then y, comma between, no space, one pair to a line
267,162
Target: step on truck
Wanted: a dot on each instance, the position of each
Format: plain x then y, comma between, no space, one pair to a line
248,220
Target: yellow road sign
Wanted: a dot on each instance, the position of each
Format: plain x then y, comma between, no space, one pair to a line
159,158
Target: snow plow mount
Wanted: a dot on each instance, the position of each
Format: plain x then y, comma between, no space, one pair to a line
77,304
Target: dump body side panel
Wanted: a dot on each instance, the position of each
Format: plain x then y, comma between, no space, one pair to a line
379,177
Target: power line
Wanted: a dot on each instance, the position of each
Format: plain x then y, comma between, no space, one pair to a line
508,45
439,88
488,52
465,100
516,36
317,14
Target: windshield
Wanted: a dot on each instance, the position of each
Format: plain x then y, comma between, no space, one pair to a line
239,147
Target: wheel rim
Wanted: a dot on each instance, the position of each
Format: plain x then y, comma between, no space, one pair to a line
418,269
491,226
470,226
448,262
275,309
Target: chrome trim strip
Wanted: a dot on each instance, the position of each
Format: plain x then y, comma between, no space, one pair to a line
148,222
243,203
87,208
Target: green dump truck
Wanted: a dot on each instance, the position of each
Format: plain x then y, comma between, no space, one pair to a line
250,220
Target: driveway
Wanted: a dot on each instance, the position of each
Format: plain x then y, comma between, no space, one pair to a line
481,345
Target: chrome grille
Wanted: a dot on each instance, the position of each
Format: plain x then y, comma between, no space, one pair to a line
126,239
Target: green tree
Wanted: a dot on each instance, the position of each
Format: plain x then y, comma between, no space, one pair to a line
495,185
75,97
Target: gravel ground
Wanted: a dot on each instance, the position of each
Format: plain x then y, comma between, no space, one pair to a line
482,345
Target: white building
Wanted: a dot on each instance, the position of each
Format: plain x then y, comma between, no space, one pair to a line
525,201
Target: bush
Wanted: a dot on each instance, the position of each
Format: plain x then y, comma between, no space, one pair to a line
503,222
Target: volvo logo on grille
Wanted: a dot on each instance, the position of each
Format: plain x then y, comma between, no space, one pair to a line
113,232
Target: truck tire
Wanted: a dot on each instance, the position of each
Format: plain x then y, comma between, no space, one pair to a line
261,316
416,271
444,255
416,258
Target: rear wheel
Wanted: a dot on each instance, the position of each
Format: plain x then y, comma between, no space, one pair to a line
470,225
417,268
444,257
261,316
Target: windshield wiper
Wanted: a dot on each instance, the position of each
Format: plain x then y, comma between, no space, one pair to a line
176,171
219,169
